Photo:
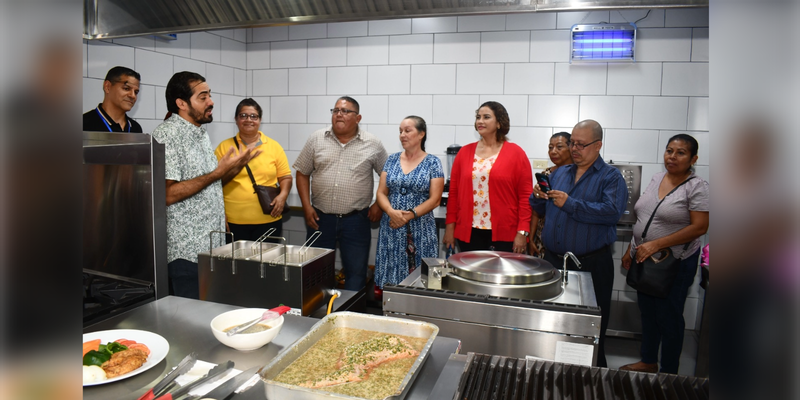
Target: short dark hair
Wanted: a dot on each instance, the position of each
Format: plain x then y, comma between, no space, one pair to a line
688,139
180,86
501,115
116,73
563,134
248,102
351,101
421,126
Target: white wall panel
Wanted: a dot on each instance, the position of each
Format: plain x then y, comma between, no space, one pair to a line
272,82
456,48
528,21
510,46
140,42
660,112
240,82
374,109
639,78
390,27
479,78
550,46
533,78
206,47
307,81
288,109
549,111
368,50
411,49
389,79
533,140
348,29
180,47
270,34
580,78
433,79
638,146
685,79
103,56
319,109
700,44
347,81
439,138
568,18
652,18
698,114
293,54
515,105
455,110
434,25
184,64
403,106
309,31
664,44
225,110
264,102
220,78
482,23
155,68
258,55
609,111
299,134
687,17
145,107
234,53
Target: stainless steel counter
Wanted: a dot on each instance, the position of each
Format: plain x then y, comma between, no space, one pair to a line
184,323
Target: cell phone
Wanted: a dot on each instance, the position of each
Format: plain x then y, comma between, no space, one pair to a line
543,181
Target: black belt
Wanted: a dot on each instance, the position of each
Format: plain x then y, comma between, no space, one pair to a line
584,256
350,214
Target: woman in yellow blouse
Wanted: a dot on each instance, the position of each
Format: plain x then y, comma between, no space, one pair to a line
243,212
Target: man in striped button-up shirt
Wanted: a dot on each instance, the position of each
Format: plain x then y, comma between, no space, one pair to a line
582,209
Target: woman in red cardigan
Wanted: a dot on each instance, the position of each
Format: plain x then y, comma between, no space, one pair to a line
491,180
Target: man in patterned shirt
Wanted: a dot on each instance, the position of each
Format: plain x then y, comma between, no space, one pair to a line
195,204
339,161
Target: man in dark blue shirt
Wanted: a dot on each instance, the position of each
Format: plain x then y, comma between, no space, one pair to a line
582,209
121,89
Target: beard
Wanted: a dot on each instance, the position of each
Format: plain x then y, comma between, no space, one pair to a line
200,116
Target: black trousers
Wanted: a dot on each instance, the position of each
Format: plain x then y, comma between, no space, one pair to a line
601,266
253,232
481,239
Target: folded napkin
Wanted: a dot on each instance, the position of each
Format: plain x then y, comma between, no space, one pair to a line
201,368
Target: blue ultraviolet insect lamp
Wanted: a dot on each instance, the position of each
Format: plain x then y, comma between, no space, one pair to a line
603,43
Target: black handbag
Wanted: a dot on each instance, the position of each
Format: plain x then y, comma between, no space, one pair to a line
656,274
265,193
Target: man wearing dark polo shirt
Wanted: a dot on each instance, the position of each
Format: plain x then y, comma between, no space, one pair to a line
121,88
581,213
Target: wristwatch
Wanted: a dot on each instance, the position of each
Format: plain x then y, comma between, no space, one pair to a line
523,233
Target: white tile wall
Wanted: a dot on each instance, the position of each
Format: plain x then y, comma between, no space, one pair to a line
641,104
310,31
454,110
660,112
479,78
528,21
515,105
206,47
271,82
389,79
685,79
700,44
481,23
348,29
390,27
307,81
368,50
433,79
664,44
534,78
547,111
457,48
347,80
292,54
434,25
411,49
609,111
155,68
550,46
641,78
631,145
698,114
581,78
265,115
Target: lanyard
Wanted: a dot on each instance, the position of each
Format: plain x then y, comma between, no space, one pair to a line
103,118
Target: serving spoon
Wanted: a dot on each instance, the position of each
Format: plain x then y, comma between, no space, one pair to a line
268,315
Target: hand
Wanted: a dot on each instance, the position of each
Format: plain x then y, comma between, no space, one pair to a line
645,250
558,197
231,161
538,193
375,212
520,243
627,261
448,240
532,249
311,217
398,218
277,206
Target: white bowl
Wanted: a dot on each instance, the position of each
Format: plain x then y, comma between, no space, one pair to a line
244,341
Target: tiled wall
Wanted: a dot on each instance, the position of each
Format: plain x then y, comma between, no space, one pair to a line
442,69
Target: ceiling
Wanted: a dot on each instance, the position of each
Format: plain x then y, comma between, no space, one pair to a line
123,18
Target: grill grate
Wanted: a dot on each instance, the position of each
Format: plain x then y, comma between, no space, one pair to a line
499,378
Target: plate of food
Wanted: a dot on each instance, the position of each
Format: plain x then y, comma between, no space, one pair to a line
113,355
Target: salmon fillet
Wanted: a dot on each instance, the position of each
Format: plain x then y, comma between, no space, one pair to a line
359,359
123,362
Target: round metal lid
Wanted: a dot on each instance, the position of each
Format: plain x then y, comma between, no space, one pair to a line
500,267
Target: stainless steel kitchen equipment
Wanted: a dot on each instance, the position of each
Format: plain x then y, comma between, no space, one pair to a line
261,274
278,390
633,179
504,311
124,223
451,152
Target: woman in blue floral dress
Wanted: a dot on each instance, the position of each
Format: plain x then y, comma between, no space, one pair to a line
411,186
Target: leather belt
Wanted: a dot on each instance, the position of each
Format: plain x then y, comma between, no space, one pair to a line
584,256
350,214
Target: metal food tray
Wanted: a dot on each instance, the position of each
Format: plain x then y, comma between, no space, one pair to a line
277,390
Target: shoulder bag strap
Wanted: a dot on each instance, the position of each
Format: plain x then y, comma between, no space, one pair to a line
646,227
249,172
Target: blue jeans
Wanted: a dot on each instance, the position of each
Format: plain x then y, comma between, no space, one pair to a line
183,279
354,234
662,319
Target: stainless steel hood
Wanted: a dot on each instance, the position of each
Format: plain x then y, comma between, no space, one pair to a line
121,18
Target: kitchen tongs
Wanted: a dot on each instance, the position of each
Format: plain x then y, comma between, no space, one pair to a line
184,366
213,375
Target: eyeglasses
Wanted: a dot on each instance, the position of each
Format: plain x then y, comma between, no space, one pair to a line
254,117
579,146
344,111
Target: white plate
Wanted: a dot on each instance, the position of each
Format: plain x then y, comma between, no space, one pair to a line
159,347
